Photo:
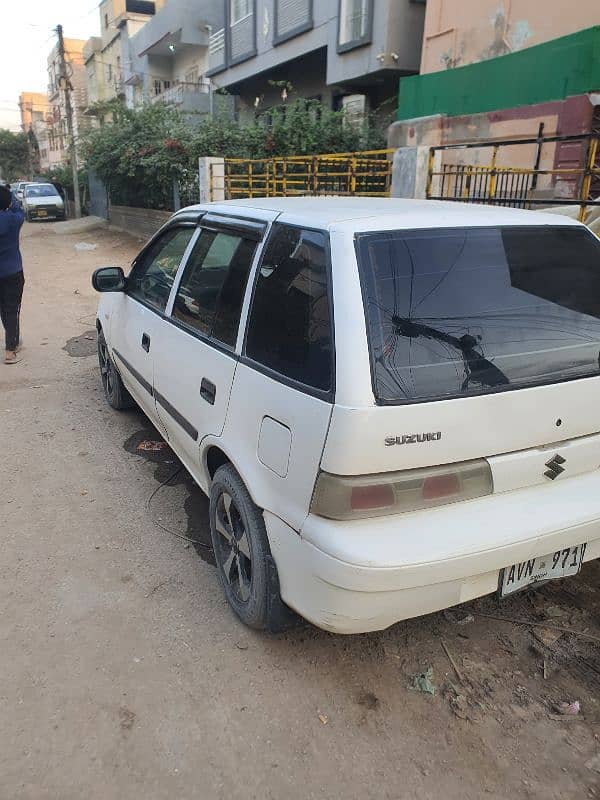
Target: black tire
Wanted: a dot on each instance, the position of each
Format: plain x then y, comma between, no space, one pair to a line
245,565
115,392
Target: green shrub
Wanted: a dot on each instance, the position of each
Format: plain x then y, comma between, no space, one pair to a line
141,152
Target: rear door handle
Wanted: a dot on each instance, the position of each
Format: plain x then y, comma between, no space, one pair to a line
146,342
208,391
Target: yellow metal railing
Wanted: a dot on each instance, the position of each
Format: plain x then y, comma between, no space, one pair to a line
363,174
515,186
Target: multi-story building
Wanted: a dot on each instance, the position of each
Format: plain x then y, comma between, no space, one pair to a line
105,56
346,53
34,109
58,144
168,57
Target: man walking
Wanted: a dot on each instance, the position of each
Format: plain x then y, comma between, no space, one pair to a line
11,272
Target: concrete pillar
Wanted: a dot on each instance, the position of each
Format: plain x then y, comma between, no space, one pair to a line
211,179
404,172
413,138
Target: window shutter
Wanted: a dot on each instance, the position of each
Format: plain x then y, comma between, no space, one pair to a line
292,14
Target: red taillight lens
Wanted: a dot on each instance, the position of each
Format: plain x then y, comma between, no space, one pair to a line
347,497
376,496
440,486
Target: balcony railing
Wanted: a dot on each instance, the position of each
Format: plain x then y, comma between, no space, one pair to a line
174,94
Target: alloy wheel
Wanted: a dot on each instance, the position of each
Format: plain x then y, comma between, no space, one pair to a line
234,553
105,367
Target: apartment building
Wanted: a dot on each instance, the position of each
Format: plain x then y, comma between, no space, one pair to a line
57,119
346,53
105,56
168,57
34,110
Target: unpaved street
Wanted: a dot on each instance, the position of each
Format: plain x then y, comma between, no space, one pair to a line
124,675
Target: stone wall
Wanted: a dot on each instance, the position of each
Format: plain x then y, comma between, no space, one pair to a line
140,222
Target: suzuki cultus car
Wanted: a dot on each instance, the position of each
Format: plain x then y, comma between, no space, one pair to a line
393,405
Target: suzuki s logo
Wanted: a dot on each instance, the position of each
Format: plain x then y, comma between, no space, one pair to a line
413,438
555,467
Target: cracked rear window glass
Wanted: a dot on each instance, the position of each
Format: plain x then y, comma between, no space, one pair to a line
463,311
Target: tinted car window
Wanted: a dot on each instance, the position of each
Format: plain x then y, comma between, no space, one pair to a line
466,311
290,326
153,273
211,292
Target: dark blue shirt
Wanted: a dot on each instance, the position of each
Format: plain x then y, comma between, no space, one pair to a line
10,228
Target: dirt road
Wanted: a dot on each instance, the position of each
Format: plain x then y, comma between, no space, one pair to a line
124,675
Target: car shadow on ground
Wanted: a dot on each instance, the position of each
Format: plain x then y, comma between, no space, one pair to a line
169,473
472,648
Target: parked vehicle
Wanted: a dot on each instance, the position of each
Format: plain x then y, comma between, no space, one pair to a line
42,201
391,404
19,188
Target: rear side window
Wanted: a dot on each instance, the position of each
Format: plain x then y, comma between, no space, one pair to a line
211,292
289,329
463,311
153,273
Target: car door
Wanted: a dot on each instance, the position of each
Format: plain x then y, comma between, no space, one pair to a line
138,312
195,358
284,387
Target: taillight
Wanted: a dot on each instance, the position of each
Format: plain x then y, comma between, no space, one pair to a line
357,497
376,496
441,486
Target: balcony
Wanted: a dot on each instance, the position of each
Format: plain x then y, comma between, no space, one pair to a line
187,97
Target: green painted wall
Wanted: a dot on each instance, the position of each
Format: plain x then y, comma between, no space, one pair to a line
550,71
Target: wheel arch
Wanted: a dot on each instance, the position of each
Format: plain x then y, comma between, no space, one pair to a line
215,456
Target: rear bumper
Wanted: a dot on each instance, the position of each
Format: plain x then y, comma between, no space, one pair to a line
368,575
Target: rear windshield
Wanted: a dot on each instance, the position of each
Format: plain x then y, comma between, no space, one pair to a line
462,311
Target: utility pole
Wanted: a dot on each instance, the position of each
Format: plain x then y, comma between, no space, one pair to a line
67,87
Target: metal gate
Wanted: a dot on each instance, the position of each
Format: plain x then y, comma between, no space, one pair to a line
563,170
361,174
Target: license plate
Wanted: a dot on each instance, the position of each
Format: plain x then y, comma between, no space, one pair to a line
42,213
559,564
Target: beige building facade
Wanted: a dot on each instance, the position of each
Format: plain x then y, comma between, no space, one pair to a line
57,120
34,108
462,32
106,56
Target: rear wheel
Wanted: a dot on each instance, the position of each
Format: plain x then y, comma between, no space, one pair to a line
246,568
115,392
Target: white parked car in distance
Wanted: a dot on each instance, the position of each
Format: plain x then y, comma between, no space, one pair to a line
391,404
42,201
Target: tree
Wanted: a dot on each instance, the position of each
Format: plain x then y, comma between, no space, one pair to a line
14,155
141,152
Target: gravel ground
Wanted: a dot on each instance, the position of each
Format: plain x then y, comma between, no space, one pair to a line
124,674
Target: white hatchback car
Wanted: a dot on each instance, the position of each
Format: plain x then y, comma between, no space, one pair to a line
393,405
